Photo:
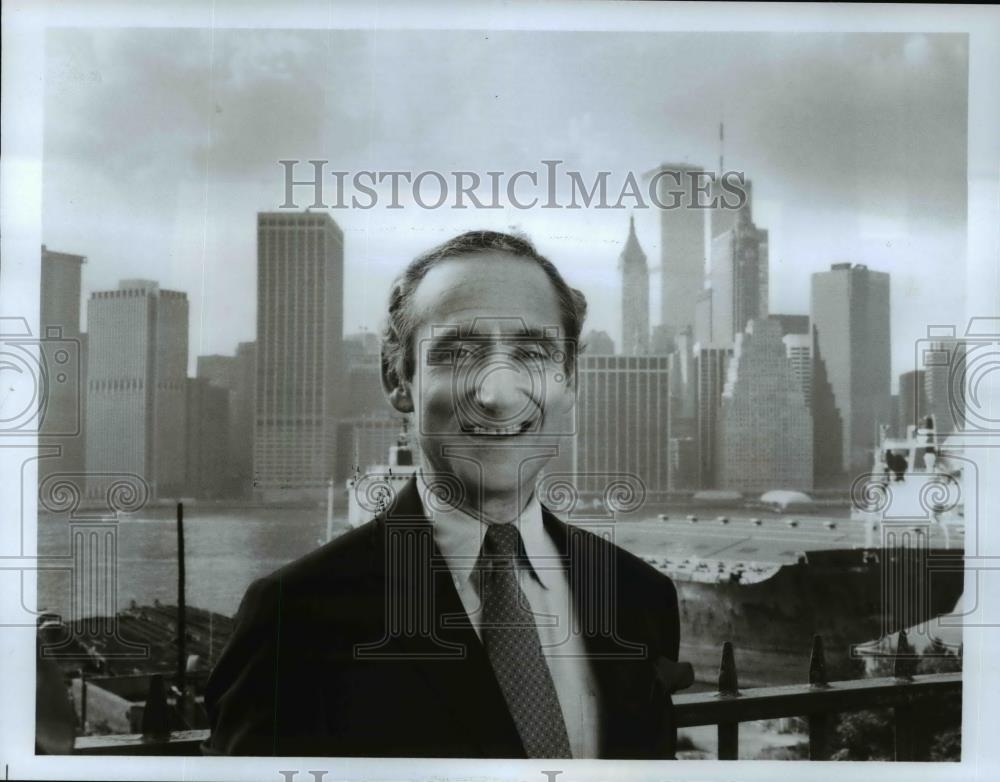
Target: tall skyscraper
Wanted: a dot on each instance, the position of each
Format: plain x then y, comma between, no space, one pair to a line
765,425
365,343
364,397
682,243
726,212
623,421
851,338
236,375
661,340
798,350
683,387
738,279
597,343
710,365
635,296
683,453
243,407
791,324
912,400
300,284
137,385
683,463
944,384
61,436
703,317
207,440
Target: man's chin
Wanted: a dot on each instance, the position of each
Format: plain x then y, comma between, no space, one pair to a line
485,480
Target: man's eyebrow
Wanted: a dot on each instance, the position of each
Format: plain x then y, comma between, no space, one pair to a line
544,336
474,330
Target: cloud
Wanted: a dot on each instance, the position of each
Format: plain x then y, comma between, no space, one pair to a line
160,145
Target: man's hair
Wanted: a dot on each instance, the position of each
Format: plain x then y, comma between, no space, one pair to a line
397,338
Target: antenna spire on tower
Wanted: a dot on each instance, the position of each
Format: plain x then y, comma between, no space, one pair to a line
722,148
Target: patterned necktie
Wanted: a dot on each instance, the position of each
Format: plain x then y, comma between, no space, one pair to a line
512,644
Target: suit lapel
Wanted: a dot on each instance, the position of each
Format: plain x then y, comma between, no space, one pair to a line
428,624
618,646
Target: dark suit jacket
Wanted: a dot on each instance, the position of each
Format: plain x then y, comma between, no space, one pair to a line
362,648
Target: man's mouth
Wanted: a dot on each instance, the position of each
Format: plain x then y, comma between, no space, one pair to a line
511,430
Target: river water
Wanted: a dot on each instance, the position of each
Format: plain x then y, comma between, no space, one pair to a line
225,551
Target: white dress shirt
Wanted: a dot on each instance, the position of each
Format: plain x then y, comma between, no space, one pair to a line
545,584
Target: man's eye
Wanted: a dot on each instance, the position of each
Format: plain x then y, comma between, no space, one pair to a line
440,358
535,352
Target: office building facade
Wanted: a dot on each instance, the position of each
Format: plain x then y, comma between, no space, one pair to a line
623,422
945,384
236,374
61,435
137,387
299,365
635,296
765,434
911,400
207,449
850,324
710,366
682,243
738,280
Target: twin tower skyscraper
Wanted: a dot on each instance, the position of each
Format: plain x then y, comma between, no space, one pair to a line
713,264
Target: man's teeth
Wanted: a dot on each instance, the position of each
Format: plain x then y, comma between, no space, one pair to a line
503,430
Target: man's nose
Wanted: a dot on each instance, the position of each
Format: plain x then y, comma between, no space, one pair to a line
500,388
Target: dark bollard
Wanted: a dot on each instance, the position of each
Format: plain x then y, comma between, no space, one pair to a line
905,662
729,732
911,738
83,701
728,680
817,664
818,721
155,714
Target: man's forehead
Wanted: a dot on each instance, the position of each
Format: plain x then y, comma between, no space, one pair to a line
497,293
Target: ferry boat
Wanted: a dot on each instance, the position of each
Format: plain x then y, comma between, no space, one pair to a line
768,584
895,562
371,492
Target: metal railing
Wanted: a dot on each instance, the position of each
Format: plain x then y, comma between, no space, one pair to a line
819,701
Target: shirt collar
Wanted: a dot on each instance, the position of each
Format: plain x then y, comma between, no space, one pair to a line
460,536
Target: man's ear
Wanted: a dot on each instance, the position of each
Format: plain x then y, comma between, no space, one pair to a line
396,390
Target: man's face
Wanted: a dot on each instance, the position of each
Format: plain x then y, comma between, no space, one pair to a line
490,391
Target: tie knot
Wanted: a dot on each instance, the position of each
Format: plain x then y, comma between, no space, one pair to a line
502,540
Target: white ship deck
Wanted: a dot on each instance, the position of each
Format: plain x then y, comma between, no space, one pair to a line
774,541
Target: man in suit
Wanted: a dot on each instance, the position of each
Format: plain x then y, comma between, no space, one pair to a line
465,620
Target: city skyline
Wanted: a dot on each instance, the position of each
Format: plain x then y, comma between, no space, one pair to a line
896,203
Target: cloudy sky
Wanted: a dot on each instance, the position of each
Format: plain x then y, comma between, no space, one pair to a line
161,145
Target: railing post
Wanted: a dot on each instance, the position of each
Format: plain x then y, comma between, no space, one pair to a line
911,739
155,716
904,664
818,721
729,732
83,701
